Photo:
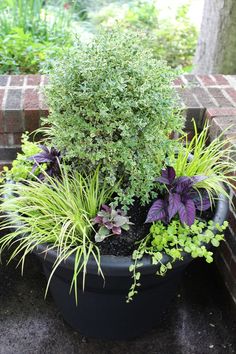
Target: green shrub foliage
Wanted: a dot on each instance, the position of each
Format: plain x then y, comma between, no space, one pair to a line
112,104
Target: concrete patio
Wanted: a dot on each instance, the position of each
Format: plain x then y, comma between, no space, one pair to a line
199,321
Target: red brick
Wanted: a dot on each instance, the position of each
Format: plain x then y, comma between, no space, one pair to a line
231,92
177,82
31,109
33,80
31,99
4,139
222,123
220,79
13,121
187,97
44,111
17,80
221,111
219,97
32,120
17,138
206,80
4,80
13,101
192,79
203,96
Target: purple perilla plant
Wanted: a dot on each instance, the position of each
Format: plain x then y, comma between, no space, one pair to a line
50,156
110,222
180,198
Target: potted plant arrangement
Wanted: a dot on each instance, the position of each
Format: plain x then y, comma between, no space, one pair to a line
114,208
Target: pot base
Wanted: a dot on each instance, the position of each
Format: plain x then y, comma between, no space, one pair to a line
102,312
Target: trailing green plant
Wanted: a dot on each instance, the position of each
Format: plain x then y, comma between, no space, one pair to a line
22,166
175,241
212,159
112,104
57,213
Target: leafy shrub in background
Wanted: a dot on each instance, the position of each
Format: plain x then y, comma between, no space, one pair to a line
112,104
34,17
172,39
175,41
20,53
31,36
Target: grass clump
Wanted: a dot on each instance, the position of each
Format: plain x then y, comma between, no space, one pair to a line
57,213
213,159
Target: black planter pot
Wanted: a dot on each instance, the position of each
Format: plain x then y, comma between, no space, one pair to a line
102,311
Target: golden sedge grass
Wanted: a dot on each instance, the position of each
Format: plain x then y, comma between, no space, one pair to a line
57,213
214,160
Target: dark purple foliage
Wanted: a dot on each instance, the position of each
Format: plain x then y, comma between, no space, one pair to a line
110,222
50,156
180,198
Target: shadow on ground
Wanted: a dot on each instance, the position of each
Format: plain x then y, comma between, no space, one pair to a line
199,321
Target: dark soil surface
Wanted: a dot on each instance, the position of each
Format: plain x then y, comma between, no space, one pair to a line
200,319
124,244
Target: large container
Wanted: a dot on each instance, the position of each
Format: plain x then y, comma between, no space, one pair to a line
102,311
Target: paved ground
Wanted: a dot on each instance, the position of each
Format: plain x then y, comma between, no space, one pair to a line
199,321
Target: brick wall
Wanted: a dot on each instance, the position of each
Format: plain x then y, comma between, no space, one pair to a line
202,97
21,106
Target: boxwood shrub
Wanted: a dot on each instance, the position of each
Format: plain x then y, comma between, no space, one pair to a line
112,104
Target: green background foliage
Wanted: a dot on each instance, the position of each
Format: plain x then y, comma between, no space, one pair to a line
173,39
33,33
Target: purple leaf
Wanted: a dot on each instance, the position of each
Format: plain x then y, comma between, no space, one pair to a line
202,201
40,158
106,208
174,203
108,225
187,212
183,184
116,230
111,221
50,156
203,204
167,176
97,220
157,211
